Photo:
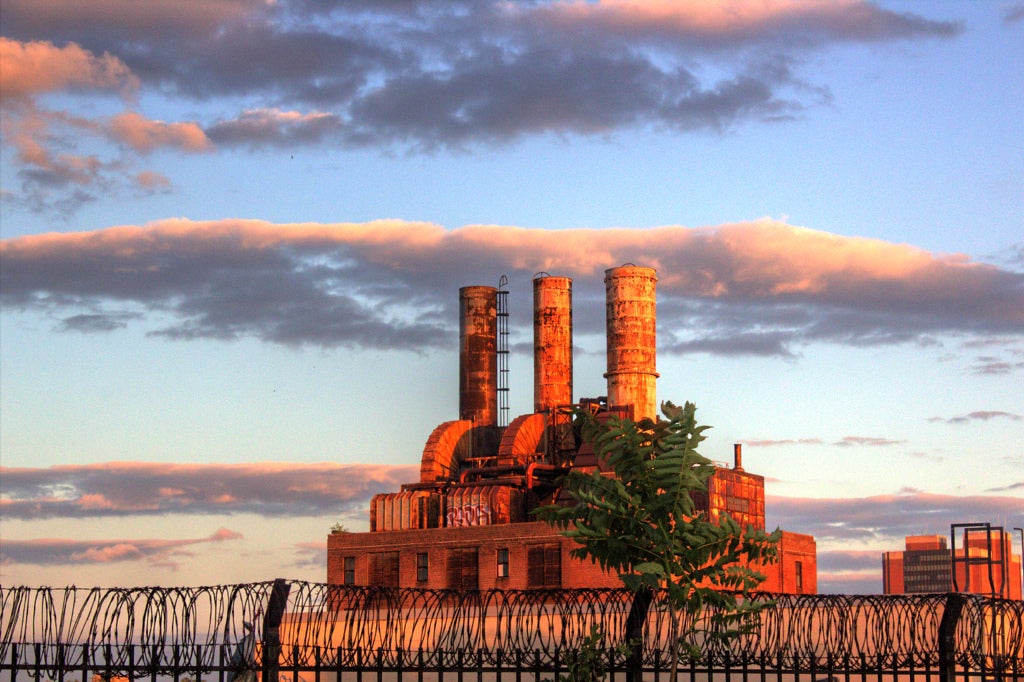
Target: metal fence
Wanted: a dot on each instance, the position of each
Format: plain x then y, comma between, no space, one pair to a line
292,630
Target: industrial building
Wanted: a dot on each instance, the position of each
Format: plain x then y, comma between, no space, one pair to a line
467,524
984,563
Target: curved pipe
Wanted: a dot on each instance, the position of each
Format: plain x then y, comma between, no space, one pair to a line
534,466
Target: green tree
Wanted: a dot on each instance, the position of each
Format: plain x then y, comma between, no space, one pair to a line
643,524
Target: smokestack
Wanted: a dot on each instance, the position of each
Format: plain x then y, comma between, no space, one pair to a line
737,456
632,339
478,359
552,342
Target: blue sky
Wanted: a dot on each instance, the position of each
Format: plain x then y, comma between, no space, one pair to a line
234,232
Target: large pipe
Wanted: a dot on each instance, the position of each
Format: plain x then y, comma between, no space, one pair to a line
478,359
632,339
552,342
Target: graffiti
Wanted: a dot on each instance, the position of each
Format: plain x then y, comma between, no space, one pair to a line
469,515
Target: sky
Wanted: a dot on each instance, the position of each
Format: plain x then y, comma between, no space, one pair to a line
233,234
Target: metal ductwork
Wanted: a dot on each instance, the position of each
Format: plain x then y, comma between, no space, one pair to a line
552,342
630,292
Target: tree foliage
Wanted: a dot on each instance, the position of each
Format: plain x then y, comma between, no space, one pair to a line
642,522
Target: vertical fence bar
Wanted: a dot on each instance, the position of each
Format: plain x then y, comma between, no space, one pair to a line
947,636
271,630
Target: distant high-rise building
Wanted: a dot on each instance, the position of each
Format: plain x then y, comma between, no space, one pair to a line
984,563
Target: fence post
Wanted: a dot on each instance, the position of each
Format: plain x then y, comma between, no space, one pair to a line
947,636
271,630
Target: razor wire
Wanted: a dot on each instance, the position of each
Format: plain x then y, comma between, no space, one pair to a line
332,625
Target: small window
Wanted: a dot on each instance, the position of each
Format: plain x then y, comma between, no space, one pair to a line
502,563
422,567
799,577
349,577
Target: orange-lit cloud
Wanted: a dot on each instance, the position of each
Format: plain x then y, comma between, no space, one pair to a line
762,287
144,135
32,68
142,488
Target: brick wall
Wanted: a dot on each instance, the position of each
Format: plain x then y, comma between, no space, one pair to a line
518,538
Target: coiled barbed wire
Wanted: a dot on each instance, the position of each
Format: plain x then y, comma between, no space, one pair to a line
332,625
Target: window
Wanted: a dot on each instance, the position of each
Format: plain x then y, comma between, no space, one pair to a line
349,571
502,563
422,567
384,569
544,566
462,569
799,577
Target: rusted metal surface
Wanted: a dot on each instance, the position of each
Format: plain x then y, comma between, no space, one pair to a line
483,505
448,445
552,342
524,437
632,339
478,360
405,510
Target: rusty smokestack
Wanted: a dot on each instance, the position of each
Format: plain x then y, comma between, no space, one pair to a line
737,456
478,358
552,342
632,339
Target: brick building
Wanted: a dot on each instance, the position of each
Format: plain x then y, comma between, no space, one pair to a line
984,563
466,524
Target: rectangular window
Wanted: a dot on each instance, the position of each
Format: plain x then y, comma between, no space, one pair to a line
502,563
422,567
384,569
544,566
799,577
462,569
349,574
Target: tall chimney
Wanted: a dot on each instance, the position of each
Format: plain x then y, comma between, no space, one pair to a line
478,358
737,456
632,339
552,342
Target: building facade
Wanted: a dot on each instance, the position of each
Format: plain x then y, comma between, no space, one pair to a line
467,523
983,563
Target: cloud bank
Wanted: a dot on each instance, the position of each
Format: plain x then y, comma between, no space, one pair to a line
418,75
158,553
758,288
851,533
120,489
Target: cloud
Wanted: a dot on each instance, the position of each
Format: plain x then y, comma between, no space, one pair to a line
1013,13
481,69
59,552
392,284
119,489
52,174
884,520
144,135
866,441
842,526
445,74
36,67
273,127
980,415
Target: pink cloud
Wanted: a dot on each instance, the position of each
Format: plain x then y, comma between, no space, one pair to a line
144,135
32,68
759,287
